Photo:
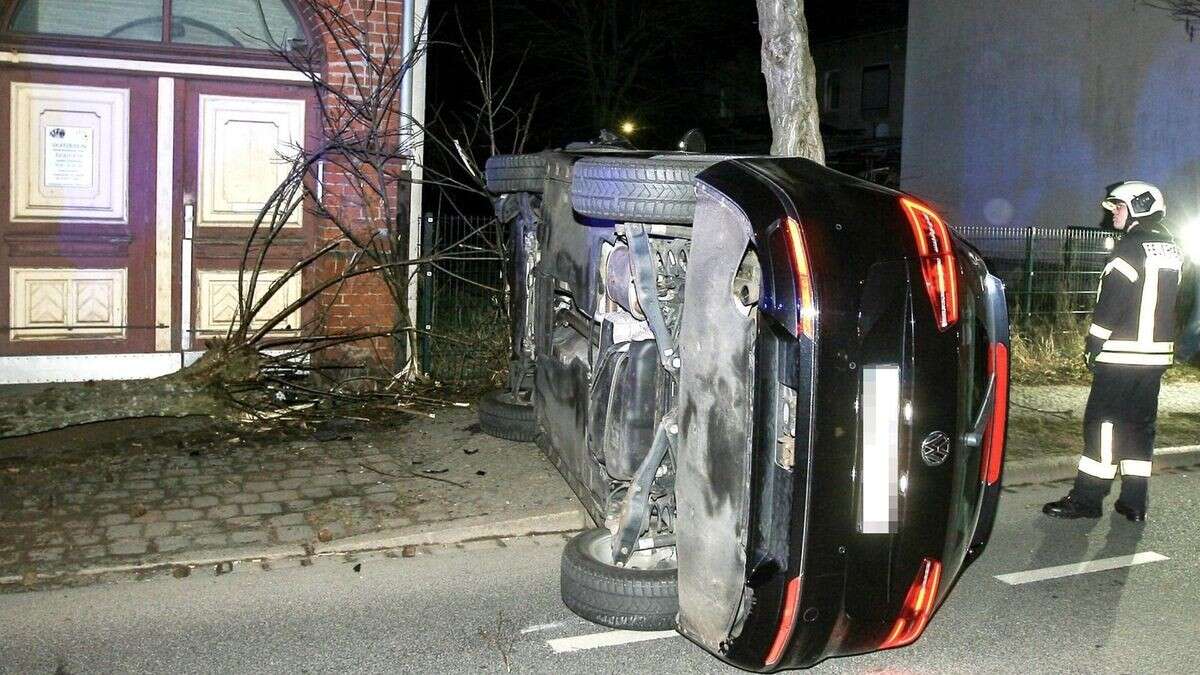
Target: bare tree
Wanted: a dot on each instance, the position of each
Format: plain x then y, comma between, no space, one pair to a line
791,78
603,49
488,121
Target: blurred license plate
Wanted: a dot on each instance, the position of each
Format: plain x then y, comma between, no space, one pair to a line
878,510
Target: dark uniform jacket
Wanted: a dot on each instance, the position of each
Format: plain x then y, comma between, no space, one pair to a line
1134,321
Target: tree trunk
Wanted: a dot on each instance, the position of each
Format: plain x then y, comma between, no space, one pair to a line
791,78
199,389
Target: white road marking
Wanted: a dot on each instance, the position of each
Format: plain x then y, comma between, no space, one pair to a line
1081,568
542,626
609,639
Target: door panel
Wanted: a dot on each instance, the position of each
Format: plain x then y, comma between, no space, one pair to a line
244,144
58,303
70,154
237,139
217,300
76,231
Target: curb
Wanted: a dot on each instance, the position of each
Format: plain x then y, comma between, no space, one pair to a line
461,530
1063,467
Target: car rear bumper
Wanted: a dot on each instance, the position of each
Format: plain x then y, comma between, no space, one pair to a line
833,546
853,583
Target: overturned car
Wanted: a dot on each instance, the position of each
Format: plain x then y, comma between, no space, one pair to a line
780,391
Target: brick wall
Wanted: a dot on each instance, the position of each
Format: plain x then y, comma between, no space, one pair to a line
364,303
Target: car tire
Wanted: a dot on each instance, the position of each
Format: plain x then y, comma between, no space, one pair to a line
619,597
515,173
643,190
504,415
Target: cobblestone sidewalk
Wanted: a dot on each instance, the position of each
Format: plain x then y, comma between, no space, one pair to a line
186,488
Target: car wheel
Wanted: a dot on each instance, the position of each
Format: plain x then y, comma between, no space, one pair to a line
505,415
642,596
645,190
515,173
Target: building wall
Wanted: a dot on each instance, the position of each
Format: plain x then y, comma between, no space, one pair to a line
849,56
1021,112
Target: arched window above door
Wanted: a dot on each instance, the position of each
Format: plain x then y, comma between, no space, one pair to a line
237,24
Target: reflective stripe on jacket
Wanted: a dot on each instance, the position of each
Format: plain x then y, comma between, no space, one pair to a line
1134,320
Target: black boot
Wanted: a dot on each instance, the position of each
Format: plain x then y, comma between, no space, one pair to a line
1132,514
1132,501
1071,507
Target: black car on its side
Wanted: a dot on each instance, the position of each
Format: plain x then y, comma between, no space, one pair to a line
780,391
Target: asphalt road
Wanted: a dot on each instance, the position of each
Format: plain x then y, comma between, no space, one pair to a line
473,609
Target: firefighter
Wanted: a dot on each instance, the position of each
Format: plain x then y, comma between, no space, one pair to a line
1129,346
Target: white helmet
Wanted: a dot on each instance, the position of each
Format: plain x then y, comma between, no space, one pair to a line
1142,199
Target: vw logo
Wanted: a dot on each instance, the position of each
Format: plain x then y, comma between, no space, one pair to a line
935,448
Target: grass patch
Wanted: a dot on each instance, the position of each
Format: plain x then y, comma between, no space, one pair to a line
470,345
1050,352
1032,436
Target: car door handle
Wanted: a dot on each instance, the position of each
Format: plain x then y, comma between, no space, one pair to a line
189,219
974,438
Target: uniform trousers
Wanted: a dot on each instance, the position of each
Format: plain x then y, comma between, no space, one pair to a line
1118,434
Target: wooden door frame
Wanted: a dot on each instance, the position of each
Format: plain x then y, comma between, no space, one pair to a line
27,367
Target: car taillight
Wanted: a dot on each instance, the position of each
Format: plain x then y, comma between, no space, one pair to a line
993,457
918,605
938,266
806,310
787,622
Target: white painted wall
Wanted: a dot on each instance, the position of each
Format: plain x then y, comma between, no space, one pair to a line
1021,112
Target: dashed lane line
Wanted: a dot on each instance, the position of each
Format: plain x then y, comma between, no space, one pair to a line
607,639
1085,567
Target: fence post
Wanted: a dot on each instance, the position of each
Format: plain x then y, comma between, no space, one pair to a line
1028,273
425,298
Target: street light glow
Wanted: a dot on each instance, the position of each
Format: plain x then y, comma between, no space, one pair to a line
1188,240
628,127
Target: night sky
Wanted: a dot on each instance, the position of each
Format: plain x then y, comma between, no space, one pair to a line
679,64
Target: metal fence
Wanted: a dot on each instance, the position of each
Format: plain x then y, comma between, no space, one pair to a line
1047,271
462,309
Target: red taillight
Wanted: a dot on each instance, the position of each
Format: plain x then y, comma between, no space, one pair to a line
806,310
918,605
938,265
993,456
787,622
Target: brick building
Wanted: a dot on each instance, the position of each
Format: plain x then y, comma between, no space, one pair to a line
142,137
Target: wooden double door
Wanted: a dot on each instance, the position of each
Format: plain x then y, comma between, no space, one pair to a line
127,198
